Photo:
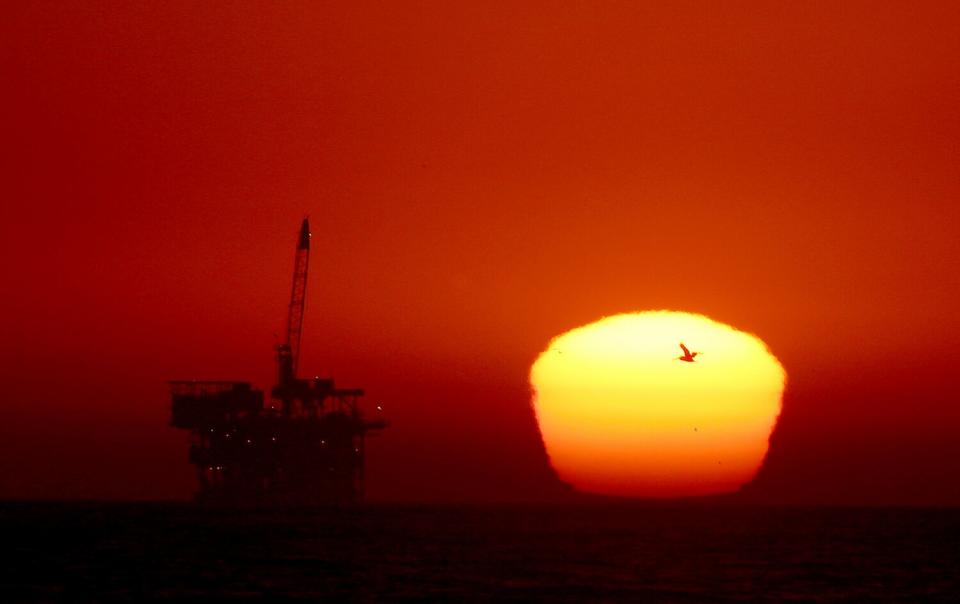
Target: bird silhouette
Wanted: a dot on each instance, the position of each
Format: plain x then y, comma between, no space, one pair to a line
687,355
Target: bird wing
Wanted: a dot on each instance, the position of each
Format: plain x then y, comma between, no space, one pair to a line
685,351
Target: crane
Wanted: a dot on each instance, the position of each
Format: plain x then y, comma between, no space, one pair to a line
288,353
308,450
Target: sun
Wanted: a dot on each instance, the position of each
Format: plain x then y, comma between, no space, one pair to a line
621,413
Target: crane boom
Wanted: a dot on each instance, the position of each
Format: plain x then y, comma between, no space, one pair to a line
289,352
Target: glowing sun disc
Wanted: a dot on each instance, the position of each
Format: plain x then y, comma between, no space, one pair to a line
621,414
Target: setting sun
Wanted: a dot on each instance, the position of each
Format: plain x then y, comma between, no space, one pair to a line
622,414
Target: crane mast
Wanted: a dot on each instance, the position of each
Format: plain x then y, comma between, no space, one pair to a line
288,353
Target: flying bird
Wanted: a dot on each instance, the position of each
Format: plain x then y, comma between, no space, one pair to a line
687,355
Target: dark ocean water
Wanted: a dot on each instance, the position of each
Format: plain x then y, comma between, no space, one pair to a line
150,552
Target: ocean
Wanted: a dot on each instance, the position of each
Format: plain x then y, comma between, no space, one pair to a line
145,552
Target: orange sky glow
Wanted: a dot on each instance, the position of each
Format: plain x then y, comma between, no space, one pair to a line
480,178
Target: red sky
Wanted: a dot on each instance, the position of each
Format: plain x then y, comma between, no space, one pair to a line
479,179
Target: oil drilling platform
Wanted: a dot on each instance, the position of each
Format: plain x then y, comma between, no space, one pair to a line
306,447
